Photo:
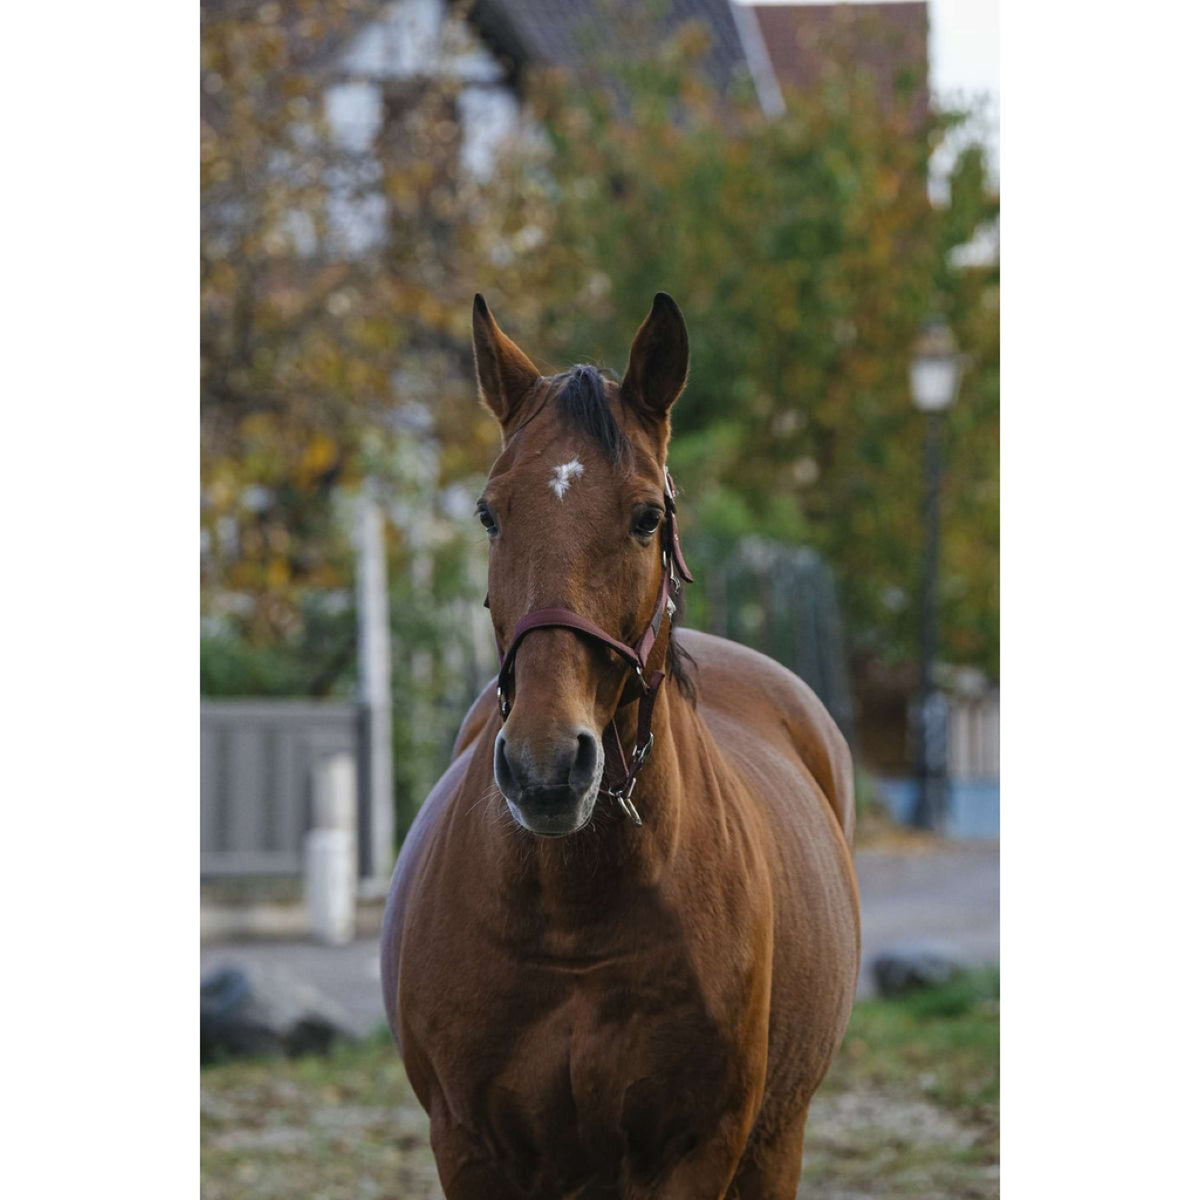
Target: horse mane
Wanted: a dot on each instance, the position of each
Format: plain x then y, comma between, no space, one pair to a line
680,664
582,405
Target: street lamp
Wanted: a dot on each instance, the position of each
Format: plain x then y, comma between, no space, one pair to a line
933,377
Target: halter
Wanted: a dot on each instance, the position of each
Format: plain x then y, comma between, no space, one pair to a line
674,574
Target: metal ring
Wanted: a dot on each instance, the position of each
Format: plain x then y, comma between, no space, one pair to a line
642,752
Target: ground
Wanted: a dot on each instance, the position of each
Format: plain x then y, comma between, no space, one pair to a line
910,1109
920,888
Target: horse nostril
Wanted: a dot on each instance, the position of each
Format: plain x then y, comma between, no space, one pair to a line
583,769
503,769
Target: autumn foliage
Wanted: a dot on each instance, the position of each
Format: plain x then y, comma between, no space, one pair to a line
806,254
804,251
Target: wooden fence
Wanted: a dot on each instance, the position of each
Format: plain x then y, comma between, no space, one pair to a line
259,764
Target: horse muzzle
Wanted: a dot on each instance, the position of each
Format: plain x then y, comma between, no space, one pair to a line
551,794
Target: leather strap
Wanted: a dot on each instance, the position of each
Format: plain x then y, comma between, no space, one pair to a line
676,550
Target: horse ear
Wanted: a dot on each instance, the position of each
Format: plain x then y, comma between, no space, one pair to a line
658,361
505,374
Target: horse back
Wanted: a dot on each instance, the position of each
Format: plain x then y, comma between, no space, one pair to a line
741,686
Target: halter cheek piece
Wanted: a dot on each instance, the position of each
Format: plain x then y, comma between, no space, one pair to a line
675,573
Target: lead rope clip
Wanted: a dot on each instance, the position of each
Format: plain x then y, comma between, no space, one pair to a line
626,803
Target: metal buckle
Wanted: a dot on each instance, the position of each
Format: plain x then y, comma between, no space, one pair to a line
673,581
504,704
641,753
624,799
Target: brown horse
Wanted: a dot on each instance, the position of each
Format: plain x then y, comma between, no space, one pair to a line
615,971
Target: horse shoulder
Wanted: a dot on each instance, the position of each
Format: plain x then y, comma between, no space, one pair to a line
756,691
404,878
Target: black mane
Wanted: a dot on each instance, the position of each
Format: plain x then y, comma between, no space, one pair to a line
583,406
680,664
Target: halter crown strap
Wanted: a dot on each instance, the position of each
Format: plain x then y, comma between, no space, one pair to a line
675,548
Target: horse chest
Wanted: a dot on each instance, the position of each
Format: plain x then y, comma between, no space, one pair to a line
569,1075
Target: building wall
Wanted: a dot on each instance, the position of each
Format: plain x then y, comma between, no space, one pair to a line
414,43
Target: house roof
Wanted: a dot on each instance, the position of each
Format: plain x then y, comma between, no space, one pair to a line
523,33
890,40
562,33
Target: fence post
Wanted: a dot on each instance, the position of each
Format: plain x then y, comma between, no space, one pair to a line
330,885
377,820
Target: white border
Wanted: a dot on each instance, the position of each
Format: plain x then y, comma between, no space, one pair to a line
1099,601
100,763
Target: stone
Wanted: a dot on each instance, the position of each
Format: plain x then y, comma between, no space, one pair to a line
247,1012
912,966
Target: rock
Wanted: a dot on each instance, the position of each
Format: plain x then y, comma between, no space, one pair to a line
910,966
253,1011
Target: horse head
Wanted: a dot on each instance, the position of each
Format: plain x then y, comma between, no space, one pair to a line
583,564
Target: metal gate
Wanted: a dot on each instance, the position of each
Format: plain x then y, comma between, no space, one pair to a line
781,600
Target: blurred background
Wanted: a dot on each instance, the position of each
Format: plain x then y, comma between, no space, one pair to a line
818,187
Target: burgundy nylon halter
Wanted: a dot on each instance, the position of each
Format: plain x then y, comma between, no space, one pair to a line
675,573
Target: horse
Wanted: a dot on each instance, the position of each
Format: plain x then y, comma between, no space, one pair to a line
621,943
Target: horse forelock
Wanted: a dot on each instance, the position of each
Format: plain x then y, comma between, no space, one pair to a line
583,407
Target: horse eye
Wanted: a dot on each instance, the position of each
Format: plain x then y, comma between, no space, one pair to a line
486,519
646,522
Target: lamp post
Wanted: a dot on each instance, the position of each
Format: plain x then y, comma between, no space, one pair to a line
933,378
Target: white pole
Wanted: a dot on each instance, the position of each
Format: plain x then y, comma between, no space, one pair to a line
375,690
330,858
329,885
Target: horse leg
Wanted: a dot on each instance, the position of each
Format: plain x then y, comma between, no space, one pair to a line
698,1179
770,1169
465,1170
706,1174
475,1181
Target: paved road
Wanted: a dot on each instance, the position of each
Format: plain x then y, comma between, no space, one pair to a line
951,896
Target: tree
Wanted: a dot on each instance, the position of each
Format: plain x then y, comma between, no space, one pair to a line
316,352
806,254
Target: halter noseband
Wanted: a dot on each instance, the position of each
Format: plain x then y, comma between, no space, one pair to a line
675,573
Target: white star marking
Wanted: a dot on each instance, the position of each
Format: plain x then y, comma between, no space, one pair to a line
560,481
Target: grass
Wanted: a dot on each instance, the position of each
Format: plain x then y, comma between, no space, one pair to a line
909,1109
946,1038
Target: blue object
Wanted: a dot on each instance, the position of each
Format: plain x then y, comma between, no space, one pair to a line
972,805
